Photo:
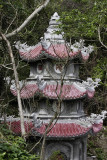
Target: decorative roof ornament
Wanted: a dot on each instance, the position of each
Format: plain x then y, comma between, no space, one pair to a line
85,51
90,86
77,46
37,122
94,121
90,83
41,83
45,43
80,47
97,118
23,47
13,85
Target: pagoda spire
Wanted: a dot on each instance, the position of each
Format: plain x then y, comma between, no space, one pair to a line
50,34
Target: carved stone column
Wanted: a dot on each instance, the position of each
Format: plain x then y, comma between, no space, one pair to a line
76,150
85,148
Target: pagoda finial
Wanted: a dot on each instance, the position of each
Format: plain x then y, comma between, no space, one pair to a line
55,17
55,14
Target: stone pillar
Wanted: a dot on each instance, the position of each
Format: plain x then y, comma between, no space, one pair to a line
70,70
46,70
76,150
71,154
85,148
81,151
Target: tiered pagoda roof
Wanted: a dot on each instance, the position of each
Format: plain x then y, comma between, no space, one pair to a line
53,91
53,46
55,51
60,130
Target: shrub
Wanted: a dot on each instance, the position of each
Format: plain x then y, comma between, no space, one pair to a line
13,147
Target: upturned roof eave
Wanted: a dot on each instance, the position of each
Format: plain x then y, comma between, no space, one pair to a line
44,55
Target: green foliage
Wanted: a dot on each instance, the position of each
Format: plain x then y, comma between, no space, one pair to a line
99,71
23,70
100,154
97,145
84,21
13,147
57,156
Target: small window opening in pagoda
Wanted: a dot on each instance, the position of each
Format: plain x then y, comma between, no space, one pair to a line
59,68
40,68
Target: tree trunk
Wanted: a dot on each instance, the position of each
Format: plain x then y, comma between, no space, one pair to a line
36,11
17,85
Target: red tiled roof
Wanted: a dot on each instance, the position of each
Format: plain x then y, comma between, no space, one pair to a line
51,91
27,91
55,51
66,92
57,130
60,51
33,54
16,127
62,130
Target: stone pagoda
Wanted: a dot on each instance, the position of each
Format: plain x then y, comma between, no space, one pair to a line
54,82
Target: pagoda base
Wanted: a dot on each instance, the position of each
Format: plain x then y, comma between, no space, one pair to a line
75,149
